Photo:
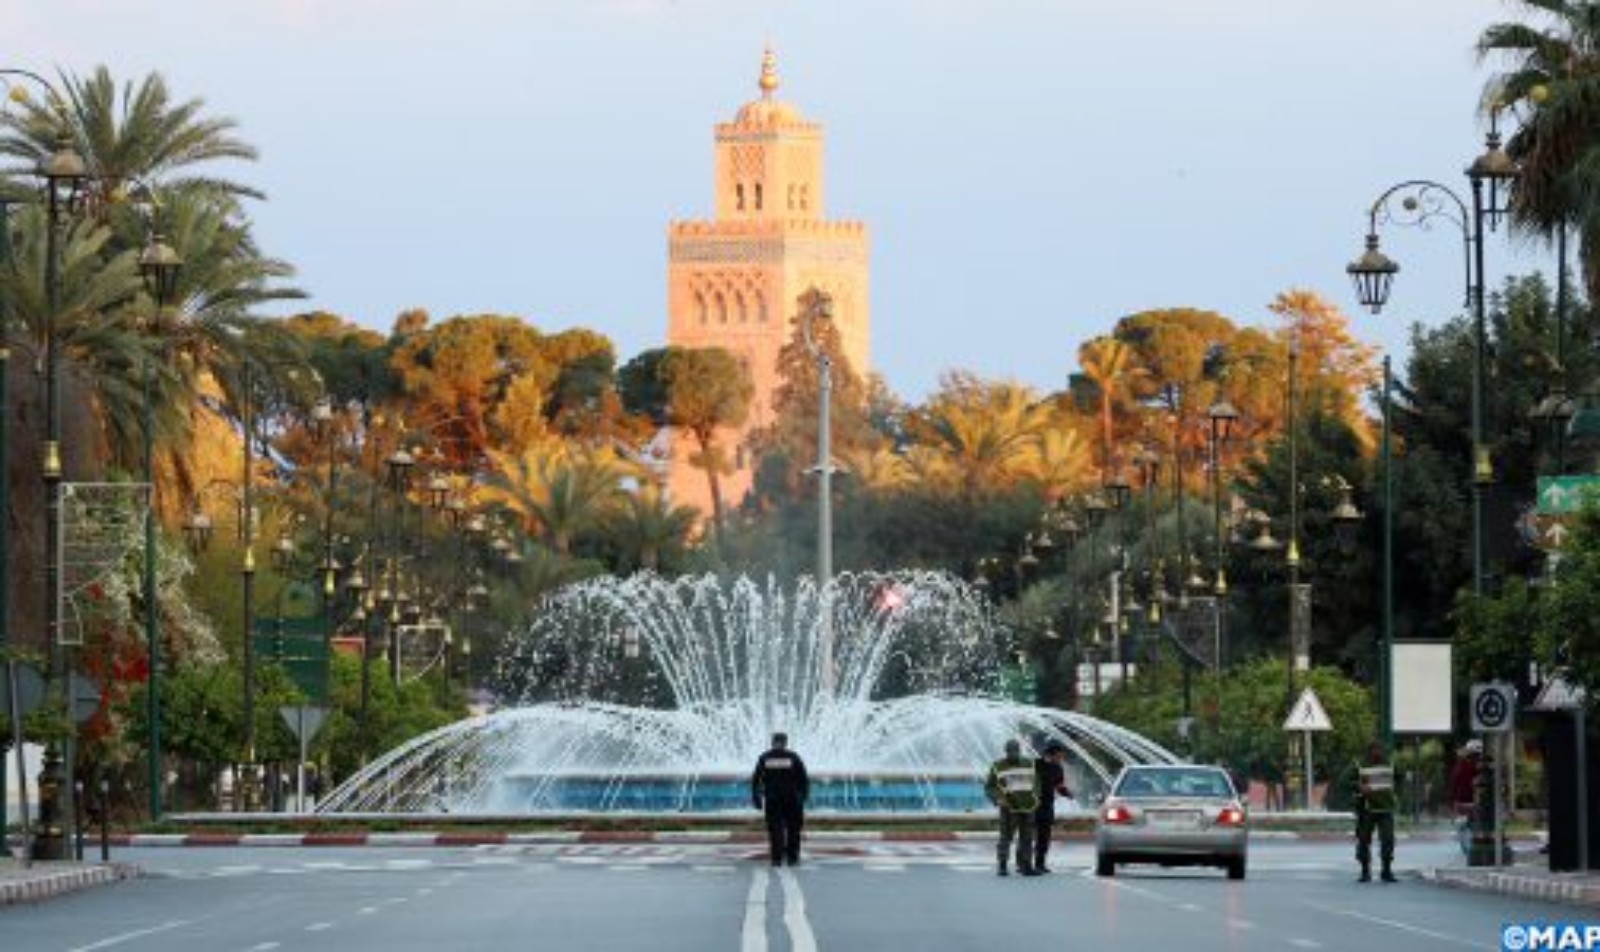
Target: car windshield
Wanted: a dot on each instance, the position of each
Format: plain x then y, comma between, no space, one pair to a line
1175,782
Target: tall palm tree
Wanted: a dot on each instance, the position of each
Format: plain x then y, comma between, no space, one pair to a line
986,432
1553,82
1106,362
560,494
129,133
647,524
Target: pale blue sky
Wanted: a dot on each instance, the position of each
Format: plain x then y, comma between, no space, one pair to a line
1031,169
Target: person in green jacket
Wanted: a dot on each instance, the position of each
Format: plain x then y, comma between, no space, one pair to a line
1375,803
1013,787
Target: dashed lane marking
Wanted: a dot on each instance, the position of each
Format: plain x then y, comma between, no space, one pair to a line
319,927
1400,926
130,936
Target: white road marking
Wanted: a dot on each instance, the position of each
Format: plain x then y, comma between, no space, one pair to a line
425,891
755,914
366,910
713,869
319,927
235,870
1402,926
885,867
130,936
264,947
628,867
1305,943
794,913
1241,923
1191,907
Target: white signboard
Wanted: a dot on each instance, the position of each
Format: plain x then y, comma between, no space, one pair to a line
1421,687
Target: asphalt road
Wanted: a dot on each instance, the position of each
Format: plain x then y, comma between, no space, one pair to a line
665,897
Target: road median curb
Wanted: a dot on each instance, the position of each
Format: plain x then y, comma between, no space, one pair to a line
1570,888
43,882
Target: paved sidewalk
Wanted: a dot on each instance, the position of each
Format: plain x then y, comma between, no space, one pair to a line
44,880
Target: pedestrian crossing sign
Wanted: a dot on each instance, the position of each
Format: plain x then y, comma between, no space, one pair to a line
1307,714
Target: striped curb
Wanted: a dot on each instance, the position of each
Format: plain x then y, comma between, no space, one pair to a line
1572,888
43,882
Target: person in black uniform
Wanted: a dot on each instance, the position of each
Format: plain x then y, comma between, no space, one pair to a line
1052,783
780,787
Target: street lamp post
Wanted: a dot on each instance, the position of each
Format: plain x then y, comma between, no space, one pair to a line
159,265
64,173
817,305
1421,201
1222,417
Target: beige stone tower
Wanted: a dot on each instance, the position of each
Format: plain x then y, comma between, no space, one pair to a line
733,282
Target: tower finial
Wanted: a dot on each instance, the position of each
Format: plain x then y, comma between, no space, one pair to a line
769,73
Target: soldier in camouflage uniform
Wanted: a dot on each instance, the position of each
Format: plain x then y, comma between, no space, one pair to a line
1375,804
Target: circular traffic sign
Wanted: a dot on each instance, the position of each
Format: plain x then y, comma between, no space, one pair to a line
1491,709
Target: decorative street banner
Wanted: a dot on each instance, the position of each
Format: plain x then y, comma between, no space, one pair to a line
297,645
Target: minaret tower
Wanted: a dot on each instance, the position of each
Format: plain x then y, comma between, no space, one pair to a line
734,281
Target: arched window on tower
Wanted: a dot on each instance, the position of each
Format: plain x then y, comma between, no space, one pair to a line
700,305
738,196
739,308
761,308
758,196
791,196
805,197
721,305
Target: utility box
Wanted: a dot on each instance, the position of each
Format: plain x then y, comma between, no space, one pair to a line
1561,792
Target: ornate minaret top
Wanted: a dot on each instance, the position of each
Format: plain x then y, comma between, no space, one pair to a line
769,73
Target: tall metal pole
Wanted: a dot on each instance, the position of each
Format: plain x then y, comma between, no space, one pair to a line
818,304
247,572
1386,652
152,631
1299,655
1482,466
52,475
1561,341
5,498
1295,620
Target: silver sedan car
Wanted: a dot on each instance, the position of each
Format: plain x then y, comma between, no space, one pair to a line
1173,815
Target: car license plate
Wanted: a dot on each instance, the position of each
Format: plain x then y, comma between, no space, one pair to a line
1173,817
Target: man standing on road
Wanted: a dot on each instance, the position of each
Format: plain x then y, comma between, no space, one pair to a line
1375,802
1013,786
1052,783
780,786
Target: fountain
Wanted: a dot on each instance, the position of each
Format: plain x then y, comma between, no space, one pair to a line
656,695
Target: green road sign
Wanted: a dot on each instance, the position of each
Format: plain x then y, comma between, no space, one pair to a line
1563,494
298,646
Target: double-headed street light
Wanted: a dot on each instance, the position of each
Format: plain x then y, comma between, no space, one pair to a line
1420,201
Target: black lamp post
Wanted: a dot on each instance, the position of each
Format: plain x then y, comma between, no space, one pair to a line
64,174
159,265
1222,416
1420,202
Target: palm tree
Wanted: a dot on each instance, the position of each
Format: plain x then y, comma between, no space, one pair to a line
987,433
1554,80
1105,361
141,134
559,493
647,525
